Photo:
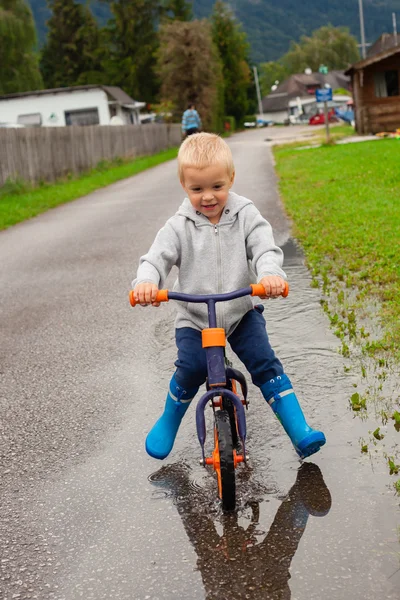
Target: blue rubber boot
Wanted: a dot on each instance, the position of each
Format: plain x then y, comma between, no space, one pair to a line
161,437
280,396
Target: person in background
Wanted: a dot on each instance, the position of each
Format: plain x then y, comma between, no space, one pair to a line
191,122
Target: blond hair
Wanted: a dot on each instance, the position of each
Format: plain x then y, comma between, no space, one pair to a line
201,150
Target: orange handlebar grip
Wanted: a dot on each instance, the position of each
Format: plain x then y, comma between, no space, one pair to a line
285,292
132,298
162,296
258,289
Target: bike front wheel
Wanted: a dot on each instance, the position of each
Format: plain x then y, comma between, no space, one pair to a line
226,467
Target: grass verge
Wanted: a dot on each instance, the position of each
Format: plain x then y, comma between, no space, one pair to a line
336,133
20,201
317,137
344,201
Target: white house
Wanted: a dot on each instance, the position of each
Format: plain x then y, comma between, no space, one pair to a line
79,105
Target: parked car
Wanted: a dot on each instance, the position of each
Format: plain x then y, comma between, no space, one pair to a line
259,123
296,120
319,118
264,123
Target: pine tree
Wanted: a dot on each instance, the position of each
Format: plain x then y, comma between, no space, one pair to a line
233,48
71,55
190,70
133,41
19,69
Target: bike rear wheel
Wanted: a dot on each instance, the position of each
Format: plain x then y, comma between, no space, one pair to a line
226,468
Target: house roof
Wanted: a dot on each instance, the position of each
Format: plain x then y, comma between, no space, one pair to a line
385,42
375,58
297,85
114,93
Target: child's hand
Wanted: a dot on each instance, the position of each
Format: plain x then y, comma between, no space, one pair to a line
146,293
274,286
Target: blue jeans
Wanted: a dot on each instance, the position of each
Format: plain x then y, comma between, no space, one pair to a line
249,342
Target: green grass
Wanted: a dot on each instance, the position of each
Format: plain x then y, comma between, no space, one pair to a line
20,201
318,137
345,204
336,132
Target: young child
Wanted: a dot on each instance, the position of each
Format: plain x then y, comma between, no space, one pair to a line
220,242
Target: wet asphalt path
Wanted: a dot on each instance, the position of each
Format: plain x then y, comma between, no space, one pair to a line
83,376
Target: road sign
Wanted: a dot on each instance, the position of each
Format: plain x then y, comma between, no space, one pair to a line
324,95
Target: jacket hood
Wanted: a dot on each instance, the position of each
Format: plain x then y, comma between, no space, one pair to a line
234,205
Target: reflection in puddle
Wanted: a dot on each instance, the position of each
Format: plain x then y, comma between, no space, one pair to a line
236,558
249,555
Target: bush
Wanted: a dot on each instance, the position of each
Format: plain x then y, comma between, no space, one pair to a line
15,187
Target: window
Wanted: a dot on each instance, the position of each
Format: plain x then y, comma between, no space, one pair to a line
86,116
386,84
32,120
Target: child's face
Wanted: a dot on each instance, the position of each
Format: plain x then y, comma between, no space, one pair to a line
208,189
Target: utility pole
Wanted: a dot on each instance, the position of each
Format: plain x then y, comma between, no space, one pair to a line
362,29
260,108
394,28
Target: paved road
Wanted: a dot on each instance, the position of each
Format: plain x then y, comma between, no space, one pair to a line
85,513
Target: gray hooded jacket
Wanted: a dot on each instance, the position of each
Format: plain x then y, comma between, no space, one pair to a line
211,259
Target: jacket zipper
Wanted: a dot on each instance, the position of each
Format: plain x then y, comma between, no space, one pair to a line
219,268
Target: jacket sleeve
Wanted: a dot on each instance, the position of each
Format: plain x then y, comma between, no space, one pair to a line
154,267
265,257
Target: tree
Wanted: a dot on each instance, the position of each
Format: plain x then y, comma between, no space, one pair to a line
133,41
190,70
19,71
233,48
332,46
178,10
71,53
270,73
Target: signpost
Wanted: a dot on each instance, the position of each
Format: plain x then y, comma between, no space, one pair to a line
325,95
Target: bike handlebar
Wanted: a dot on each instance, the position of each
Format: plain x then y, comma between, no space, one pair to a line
255,289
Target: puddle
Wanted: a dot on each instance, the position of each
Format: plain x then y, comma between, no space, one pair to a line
327,528
243,555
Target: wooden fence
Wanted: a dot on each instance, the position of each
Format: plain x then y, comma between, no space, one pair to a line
48,153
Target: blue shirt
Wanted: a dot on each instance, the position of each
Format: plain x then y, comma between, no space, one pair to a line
191,120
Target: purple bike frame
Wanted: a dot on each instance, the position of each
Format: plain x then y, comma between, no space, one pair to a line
216,365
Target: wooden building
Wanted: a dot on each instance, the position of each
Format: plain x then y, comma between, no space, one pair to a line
376,91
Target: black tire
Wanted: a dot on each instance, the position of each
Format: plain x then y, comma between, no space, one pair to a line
225,445
228,406
232,420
